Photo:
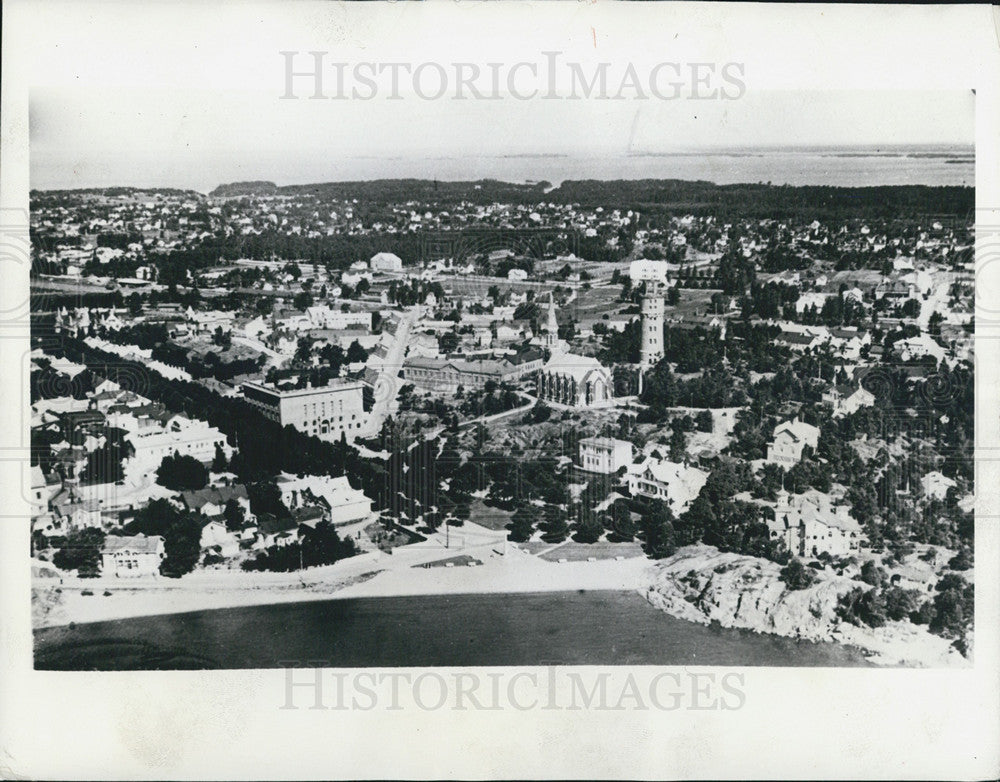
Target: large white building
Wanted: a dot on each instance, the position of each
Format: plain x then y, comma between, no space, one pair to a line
447,375
604,454
132,556
844,400
322,317
344,503
325,412
811,524
181,436
674,483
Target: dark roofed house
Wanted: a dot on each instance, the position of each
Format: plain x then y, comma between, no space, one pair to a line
83,421
275,531
212,500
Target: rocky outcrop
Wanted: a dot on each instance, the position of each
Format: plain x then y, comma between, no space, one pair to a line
701,584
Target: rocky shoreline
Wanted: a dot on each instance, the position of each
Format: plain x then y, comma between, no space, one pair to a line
701,584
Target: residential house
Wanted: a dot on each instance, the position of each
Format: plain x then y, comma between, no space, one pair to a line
811,524
132,556
215,535
273,531
788,442
844,400
343,503
675,483
212,500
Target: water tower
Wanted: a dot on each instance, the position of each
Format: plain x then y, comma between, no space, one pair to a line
654,275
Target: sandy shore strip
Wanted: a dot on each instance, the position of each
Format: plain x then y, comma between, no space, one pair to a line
375,574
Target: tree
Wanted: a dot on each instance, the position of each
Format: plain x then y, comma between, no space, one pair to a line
703,421
182,545
181,473
522,523
303,300
219,463
862,606
796,575
589,529
554,528
678,444
234,515
900,603
540,412
659,539
104,465
954,606
621,528
872,574
81,552
448,342
303,349
356,353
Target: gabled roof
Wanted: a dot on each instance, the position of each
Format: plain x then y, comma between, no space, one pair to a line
217,495
577,367
140,544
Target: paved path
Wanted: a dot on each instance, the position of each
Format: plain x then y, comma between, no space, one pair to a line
387,384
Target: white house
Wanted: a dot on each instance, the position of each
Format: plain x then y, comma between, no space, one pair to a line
344,503
674,483
811,524
131,556
276,532
844,400
789,439
214,534
936,484
604,454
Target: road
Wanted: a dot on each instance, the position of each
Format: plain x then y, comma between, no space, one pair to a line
937,302
387,385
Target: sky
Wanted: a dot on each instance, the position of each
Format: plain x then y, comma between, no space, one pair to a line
201,138
189,94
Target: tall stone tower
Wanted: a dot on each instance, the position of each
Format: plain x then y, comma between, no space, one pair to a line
652,324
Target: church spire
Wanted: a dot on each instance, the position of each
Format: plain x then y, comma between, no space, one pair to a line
552,329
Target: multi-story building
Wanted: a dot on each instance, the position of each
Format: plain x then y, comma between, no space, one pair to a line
386,262
653,274
811,524
446,374
604,454
322,317
675,483
844,400
790,438
343,503
325,412
181,436
132,556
